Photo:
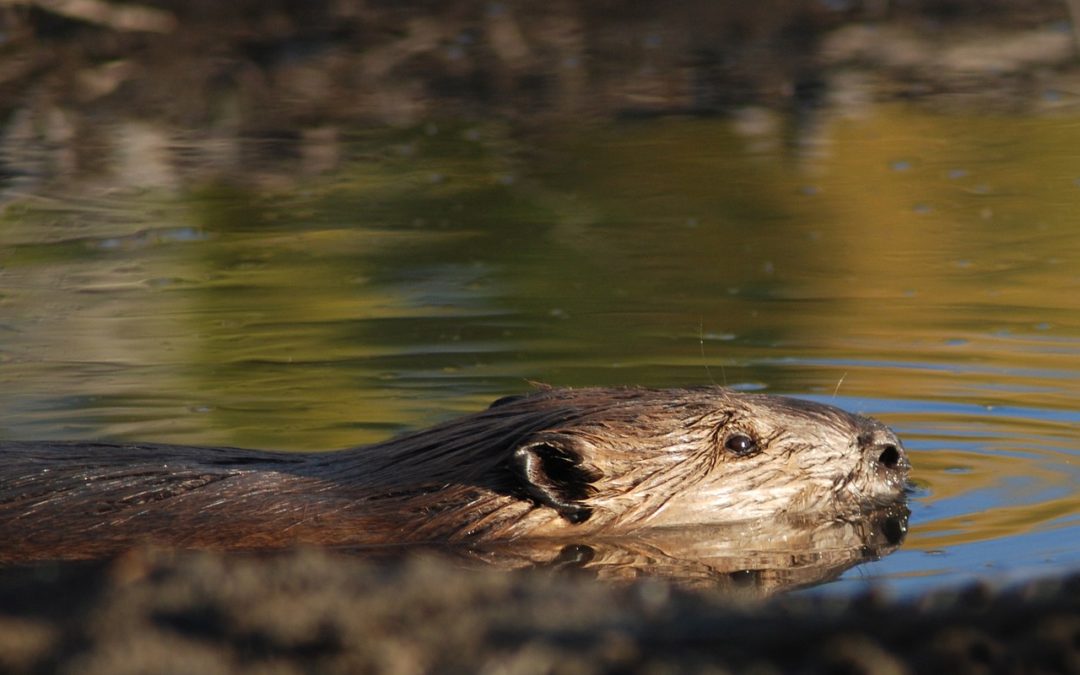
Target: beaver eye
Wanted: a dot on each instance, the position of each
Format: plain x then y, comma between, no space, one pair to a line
741,445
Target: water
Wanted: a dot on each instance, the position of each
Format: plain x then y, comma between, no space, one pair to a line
920,267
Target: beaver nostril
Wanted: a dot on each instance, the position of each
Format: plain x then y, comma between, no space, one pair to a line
890,457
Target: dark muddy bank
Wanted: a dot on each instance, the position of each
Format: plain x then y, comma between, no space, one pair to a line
311,612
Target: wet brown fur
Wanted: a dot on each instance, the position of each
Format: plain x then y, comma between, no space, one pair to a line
554,463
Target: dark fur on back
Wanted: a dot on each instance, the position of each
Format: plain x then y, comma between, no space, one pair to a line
555,462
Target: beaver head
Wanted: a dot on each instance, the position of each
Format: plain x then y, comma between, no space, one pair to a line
574,461
636,457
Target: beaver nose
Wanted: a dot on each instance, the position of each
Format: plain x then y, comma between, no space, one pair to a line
884,450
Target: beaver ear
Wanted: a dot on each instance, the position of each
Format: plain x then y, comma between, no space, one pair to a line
553,473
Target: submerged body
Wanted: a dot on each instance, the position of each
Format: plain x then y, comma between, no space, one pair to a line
555,463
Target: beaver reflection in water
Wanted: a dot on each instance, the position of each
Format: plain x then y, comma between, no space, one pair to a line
558,462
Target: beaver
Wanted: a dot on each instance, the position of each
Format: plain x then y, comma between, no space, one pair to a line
553,463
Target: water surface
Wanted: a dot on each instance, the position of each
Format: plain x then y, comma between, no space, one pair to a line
920,267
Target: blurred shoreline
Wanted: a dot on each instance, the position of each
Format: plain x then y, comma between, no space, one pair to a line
187,83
